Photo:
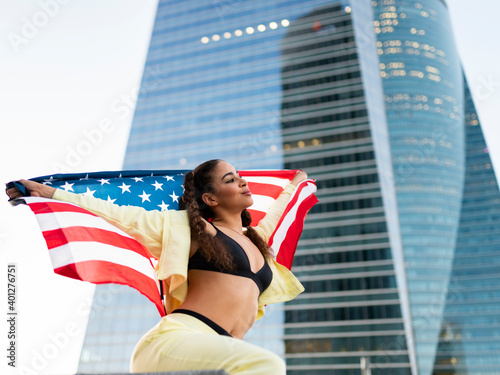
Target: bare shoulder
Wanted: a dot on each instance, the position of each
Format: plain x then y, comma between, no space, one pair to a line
209,228
195,244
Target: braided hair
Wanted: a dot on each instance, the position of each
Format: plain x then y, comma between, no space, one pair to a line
196,183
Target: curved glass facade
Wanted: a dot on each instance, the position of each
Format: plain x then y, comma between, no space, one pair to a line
448,198
334,127
469,341
423,89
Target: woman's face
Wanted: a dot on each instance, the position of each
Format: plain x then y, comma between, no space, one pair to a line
231,191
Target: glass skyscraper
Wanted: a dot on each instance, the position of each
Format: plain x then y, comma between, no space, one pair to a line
469,340
400,256
350,254
448,198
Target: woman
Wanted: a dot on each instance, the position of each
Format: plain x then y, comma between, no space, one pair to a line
218,284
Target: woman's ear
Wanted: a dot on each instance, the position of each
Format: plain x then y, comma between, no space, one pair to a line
209,200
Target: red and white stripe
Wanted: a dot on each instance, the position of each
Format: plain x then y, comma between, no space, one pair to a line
287,234
266,186
85,247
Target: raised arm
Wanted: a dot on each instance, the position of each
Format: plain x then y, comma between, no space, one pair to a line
268,224
145,226
36,189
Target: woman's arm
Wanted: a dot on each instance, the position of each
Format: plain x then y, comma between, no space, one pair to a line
145,226
36,190
267,225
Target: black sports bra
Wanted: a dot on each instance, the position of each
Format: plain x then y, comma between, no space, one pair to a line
262,278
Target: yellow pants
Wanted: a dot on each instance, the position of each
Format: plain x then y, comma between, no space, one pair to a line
181,342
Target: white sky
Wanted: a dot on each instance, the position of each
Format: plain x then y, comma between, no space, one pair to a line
54,93
85,58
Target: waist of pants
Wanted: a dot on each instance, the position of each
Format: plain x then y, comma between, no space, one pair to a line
217,328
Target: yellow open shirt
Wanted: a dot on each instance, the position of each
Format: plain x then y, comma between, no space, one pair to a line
167,236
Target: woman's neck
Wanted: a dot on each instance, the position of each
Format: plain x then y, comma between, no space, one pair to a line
229,221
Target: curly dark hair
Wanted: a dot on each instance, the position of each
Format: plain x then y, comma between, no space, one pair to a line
196,183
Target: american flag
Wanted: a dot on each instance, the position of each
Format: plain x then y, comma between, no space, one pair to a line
85,247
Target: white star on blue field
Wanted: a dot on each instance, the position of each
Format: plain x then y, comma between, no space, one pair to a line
152,190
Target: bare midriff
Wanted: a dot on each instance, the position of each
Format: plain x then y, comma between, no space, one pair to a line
228,300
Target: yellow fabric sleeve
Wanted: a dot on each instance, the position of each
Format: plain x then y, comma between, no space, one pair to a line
268,224
145,226
284,286
166,235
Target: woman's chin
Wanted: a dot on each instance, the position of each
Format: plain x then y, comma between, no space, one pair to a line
250,201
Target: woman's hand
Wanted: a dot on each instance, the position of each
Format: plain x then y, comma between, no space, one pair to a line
36,189
299,177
